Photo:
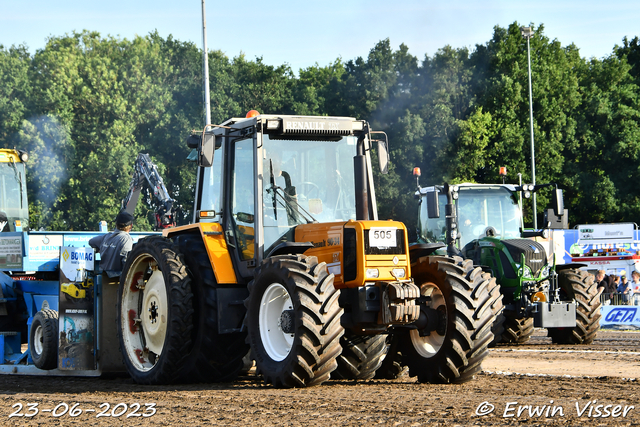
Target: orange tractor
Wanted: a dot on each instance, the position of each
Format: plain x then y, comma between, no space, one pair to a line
286,258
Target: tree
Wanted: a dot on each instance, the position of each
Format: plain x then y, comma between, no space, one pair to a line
15,90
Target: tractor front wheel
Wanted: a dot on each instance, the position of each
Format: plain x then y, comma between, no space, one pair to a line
454,350
579,285
293,321
516,330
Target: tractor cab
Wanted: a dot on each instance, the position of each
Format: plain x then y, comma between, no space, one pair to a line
482,211
14,206
282,174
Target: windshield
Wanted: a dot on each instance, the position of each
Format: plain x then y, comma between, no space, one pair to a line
13,195
433,230
305,181
481,208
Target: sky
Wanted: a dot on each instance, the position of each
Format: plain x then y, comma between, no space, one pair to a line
303,33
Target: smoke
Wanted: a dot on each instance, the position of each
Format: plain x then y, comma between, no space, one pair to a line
48,144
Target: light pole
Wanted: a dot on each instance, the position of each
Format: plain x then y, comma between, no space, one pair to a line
527,33
205,69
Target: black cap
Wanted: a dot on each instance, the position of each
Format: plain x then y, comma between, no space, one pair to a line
124,219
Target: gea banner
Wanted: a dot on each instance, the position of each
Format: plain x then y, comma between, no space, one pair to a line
623,315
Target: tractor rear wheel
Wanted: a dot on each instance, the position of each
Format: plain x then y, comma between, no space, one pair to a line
579,285
454,351
293,321
43,340
361,356
214,357
155,312
516,330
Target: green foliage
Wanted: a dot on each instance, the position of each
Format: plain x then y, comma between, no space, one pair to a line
15,89
86,105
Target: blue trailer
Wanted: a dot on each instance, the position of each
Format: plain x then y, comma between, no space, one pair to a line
29,283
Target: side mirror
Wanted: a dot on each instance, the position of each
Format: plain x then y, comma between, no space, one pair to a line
383,157
433,209
558,202
207,148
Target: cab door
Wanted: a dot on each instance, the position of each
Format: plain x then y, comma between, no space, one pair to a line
241,214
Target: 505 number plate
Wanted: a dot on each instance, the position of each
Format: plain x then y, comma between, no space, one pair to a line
382,237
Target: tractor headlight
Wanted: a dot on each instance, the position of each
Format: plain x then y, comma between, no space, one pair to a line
525,271
372,273
398,272
545,271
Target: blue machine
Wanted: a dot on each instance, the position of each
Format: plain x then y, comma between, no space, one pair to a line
29,282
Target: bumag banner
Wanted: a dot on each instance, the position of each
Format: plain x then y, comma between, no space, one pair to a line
620,315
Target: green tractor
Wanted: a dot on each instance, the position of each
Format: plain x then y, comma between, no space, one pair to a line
484,223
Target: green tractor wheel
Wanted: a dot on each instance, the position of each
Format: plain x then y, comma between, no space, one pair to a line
579,285
516,330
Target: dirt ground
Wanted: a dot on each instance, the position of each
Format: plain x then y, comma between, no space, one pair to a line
534,384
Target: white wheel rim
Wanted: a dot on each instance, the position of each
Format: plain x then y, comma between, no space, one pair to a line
274,302
38,340
144,313
428,346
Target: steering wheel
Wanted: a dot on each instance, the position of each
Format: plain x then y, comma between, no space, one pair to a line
307,189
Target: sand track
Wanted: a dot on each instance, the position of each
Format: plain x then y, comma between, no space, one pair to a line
600,375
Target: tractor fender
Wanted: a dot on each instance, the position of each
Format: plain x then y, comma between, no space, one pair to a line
212,236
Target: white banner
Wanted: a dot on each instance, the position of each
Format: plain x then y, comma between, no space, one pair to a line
623,315
609,233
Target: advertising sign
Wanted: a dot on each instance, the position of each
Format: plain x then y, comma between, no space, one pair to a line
77,339
43,251
620,315
607,233
611,247
11,252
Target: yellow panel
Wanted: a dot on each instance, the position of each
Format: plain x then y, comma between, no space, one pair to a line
6,154
216,248
328,244
327,240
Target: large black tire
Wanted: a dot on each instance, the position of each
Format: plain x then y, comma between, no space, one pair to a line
361,356
498,324
155,312
516,330
579,285
43,339
214,357
293,321
454,353
392,367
